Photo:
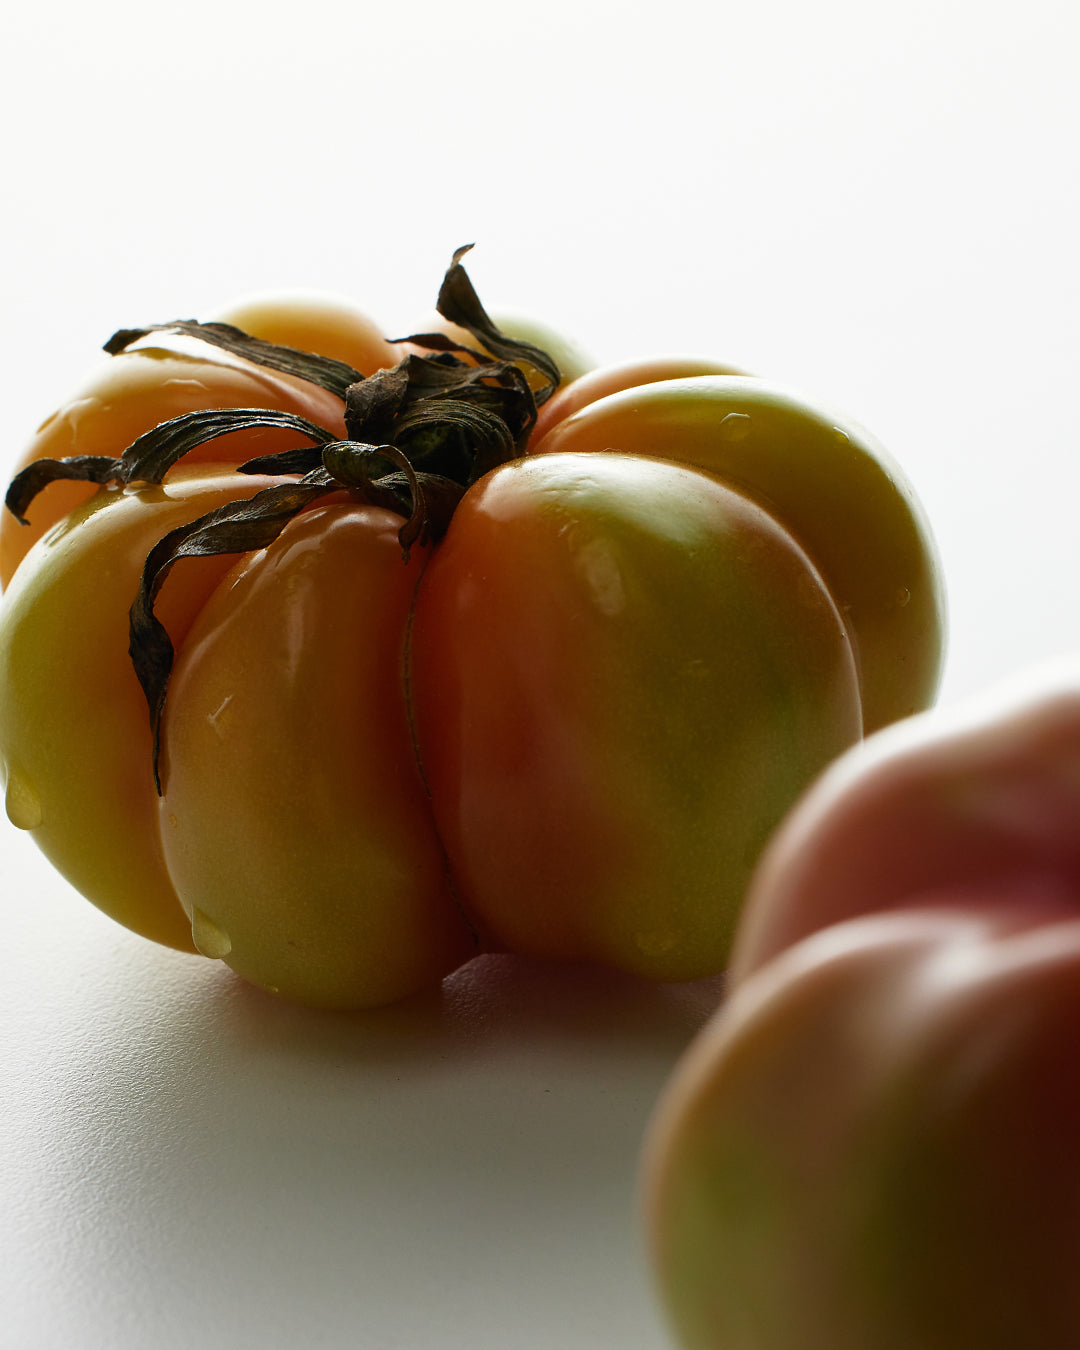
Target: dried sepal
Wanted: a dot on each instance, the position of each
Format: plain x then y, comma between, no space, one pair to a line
385,475
26,485
149,458
459,303
462,439
330,374
372,406
380,475
239,526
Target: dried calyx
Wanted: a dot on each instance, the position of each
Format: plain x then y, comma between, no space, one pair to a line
450,417
419,434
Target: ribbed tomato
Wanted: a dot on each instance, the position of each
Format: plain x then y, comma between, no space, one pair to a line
446,683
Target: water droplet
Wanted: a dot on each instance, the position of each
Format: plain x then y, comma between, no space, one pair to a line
21,803
209,939
903,597
600,570
219,718
842,436
735,427
196,387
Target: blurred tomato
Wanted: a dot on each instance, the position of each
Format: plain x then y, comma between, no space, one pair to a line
873,1145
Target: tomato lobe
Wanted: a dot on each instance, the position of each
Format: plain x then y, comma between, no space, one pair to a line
622,673
294,819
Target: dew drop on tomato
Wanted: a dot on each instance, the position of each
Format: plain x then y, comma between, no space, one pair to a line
21,803
209,937
735,427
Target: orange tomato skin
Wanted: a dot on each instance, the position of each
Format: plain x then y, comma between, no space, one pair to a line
622,673
74,731
828,481
295,822
327,324
575,394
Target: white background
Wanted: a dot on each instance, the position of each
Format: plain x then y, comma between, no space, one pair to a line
878,204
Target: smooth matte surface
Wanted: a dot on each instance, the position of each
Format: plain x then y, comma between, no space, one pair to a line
189,1162
875,203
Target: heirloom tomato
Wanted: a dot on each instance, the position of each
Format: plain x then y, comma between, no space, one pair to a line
443,684
873,1146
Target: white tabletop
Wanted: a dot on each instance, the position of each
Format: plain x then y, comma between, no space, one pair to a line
187,1161
876,204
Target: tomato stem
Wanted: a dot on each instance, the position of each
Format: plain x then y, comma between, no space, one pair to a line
451,417
419,434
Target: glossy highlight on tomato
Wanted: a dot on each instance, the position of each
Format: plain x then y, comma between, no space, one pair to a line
712,677
563,722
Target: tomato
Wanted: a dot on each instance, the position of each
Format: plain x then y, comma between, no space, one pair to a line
452,688
874,1142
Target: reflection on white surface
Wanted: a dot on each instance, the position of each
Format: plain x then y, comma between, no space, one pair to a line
189,1162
